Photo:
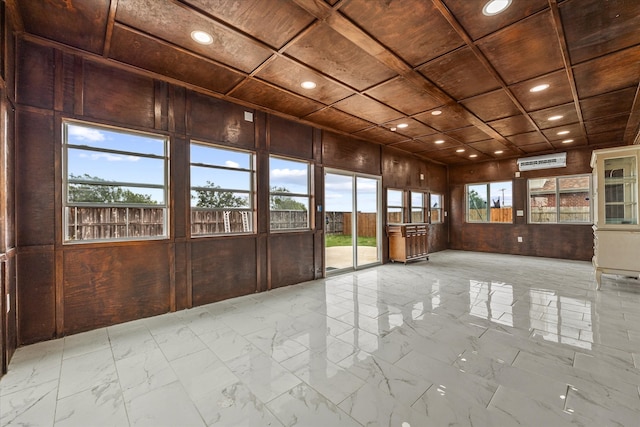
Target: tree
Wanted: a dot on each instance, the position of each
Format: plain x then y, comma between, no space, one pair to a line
218,199
99,193
477,203
280,202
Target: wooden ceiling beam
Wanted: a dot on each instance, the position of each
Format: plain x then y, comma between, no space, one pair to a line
562,42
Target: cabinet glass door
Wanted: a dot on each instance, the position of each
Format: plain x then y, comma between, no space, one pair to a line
620,190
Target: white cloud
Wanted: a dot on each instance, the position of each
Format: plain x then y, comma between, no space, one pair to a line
111,157
83,133
288,173
231,164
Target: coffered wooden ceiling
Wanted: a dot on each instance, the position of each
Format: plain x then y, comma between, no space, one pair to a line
380,63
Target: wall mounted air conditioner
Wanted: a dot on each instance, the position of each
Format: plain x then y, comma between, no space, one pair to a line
548,161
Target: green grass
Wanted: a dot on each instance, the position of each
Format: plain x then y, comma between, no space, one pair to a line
343,240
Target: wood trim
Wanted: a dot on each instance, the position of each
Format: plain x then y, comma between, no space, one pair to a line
78,86
632,132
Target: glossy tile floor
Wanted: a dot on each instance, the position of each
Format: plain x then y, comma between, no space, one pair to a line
463,339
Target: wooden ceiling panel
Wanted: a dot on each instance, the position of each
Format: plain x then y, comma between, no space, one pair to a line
368,109
423,35
264,95
403,96
576,142
526,49
612,72
460,74
553,134
597,27
336,119
512,125
329,52
88,18
555,116
491,106
288,74
607,124
447,120
608,104
559,91
414,128
174,23
537,148
469,15
467,134
527,139
141,51
411,146
606,138
382,135
275,22
489,146
431,142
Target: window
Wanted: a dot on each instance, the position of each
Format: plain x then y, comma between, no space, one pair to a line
115,184
489,202
558,200
417,206
435,208
221,190
394,206
290,194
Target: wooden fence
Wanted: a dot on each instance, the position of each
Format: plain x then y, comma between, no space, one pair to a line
94,223
496,215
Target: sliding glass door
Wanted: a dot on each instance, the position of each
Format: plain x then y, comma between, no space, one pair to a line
352,220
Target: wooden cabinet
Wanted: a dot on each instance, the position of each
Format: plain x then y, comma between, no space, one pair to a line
616,228
408,242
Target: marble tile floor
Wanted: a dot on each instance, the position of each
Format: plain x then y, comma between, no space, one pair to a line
465,339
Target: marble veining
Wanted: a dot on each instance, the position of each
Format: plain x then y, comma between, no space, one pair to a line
464,339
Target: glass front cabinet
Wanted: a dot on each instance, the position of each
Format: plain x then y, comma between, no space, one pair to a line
616,228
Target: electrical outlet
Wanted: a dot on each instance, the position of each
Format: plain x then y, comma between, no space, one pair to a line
519,239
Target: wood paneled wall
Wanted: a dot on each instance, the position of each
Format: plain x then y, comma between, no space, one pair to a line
8,259
70,288
572,241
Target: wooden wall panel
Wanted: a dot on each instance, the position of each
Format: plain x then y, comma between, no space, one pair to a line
290,138
35,179
36,295
117,96
216,120
403,171
35,75
291,258
343,152
111,284
223,268
572,241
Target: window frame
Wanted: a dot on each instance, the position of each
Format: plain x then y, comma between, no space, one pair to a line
439,209
401,206
66,182
488,204
557,192
421,209
251,193
309,195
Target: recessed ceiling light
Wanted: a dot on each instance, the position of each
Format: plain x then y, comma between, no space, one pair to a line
308,85
392,129
563,132
539,88
460,150
201,37
439,141
436,112
473,155
498,152
553,118
494,7
402,125
567,141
